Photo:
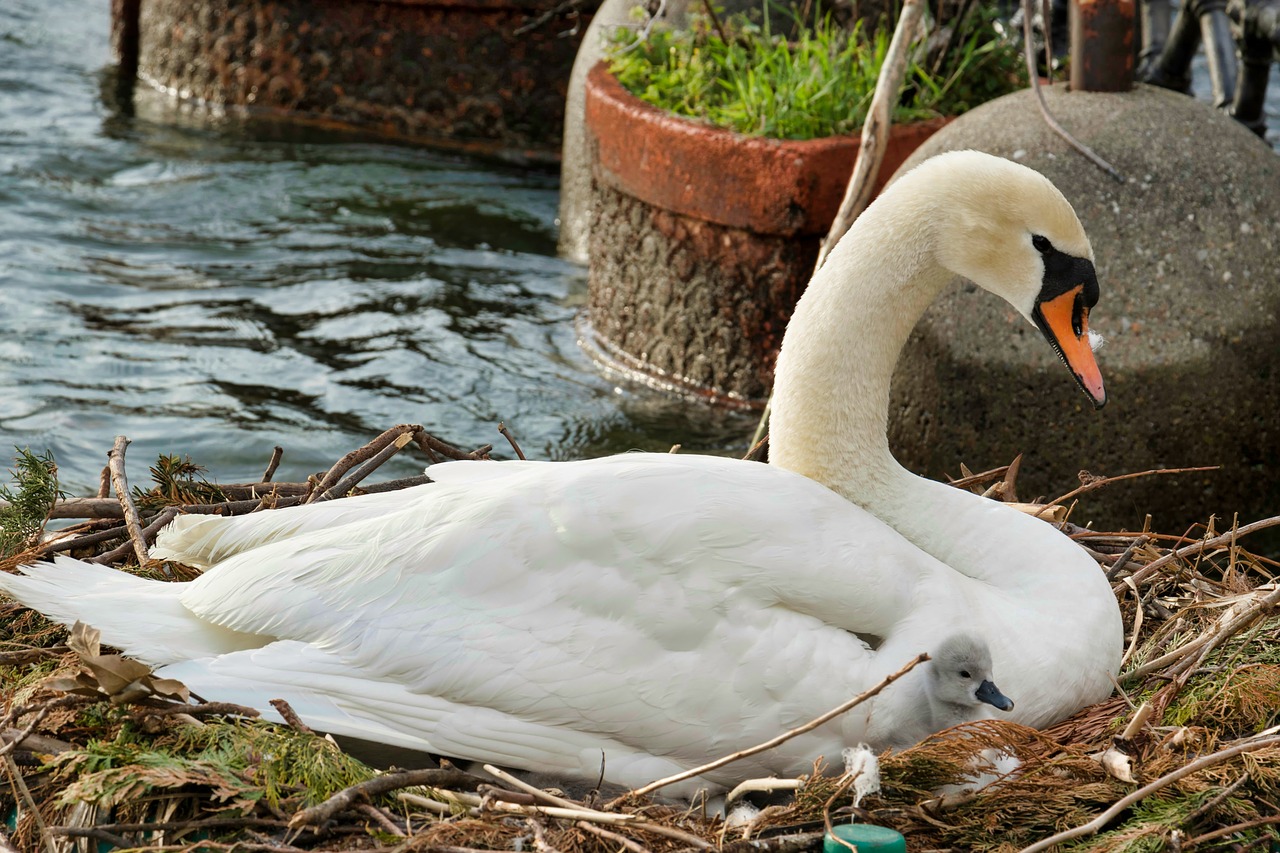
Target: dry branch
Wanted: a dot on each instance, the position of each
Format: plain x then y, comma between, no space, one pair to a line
1029,48
277,453
1200,547
115,461
146,535
875,130
780,739
1142,793
361,454
352,480
319,814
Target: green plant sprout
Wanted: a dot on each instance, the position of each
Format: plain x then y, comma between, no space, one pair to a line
743,76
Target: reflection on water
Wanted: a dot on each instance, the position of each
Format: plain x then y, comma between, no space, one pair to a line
216,290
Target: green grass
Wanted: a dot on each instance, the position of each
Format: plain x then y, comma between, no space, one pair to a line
744,77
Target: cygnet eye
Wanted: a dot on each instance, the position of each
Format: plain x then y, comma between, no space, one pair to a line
1041,244
964,673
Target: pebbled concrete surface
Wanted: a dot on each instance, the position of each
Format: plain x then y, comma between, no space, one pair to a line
1188,257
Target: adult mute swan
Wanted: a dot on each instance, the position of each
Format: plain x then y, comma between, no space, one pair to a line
649,612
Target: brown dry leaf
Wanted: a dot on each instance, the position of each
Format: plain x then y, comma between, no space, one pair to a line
119,678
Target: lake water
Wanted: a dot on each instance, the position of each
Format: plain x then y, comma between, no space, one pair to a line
214,289
217,289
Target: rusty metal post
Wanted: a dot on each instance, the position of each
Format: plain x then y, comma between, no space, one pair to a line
124,36
1102,45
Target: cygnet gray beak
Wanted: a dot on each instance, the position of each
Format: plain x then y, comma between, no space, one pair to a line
989,693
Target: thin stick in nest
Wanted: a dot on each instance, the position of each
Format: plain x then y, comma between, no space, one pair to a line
511,439
780,739
1120,805
359,455
1227,538
318,814
115,461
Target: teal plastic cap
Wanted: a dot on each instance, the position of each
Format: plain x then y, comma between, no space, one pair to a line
867,837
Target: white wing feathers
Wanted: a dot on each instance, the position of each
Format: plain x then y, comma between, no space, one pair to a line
144,616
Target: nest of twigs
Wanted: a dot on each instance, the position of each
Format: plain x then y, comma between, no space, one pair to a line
98,751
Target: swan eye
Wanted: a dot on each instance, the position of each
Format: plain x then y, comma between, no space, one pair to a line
1041,244
964,673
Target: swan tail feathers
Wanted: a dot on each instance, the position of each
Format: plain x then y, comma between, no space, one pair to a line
143,618
206,540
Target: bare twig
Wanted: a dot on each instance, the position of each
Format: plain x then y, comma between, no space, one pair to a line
35,743
1123,559
71,543
1199,547
567,7
871,150
755,448
715,20
95,833
13,739
1232,830
276,453
318,814
83,508
968,480
614,837
115,461
352,480
511,439
202,709
432,446
147,535
844,785
380,817
396,485
875,131
1099,482
1029,49
780,739
1207,641
23,795
359,455
531,790
1120,805
290,716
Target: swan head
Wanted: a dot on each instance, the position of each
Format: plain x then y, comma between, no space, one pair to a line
960,674
1009,230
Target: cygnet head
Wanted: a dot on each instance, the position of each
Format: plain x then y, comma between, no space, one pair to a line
1008,229
960,674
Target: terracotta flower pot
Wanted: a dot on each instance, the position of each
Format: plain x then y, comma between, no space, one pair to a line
703,239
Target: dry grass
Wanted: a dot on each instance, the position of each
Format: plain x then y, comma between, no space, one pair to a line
146,769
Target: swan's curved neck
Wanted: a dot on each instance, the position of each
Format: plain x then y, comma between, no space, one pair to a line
831,389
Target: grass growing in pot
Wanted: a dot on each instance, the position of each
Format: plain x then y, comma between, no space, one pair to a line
741,75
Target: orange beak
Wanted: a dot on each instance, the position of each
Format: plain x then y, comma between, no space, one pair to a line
1065,322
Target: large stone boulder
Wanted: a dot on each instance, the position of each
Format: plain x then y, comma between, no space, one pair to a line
1188,257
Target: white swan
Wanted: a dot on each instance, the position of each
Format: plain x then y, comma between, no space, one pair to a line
649,612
